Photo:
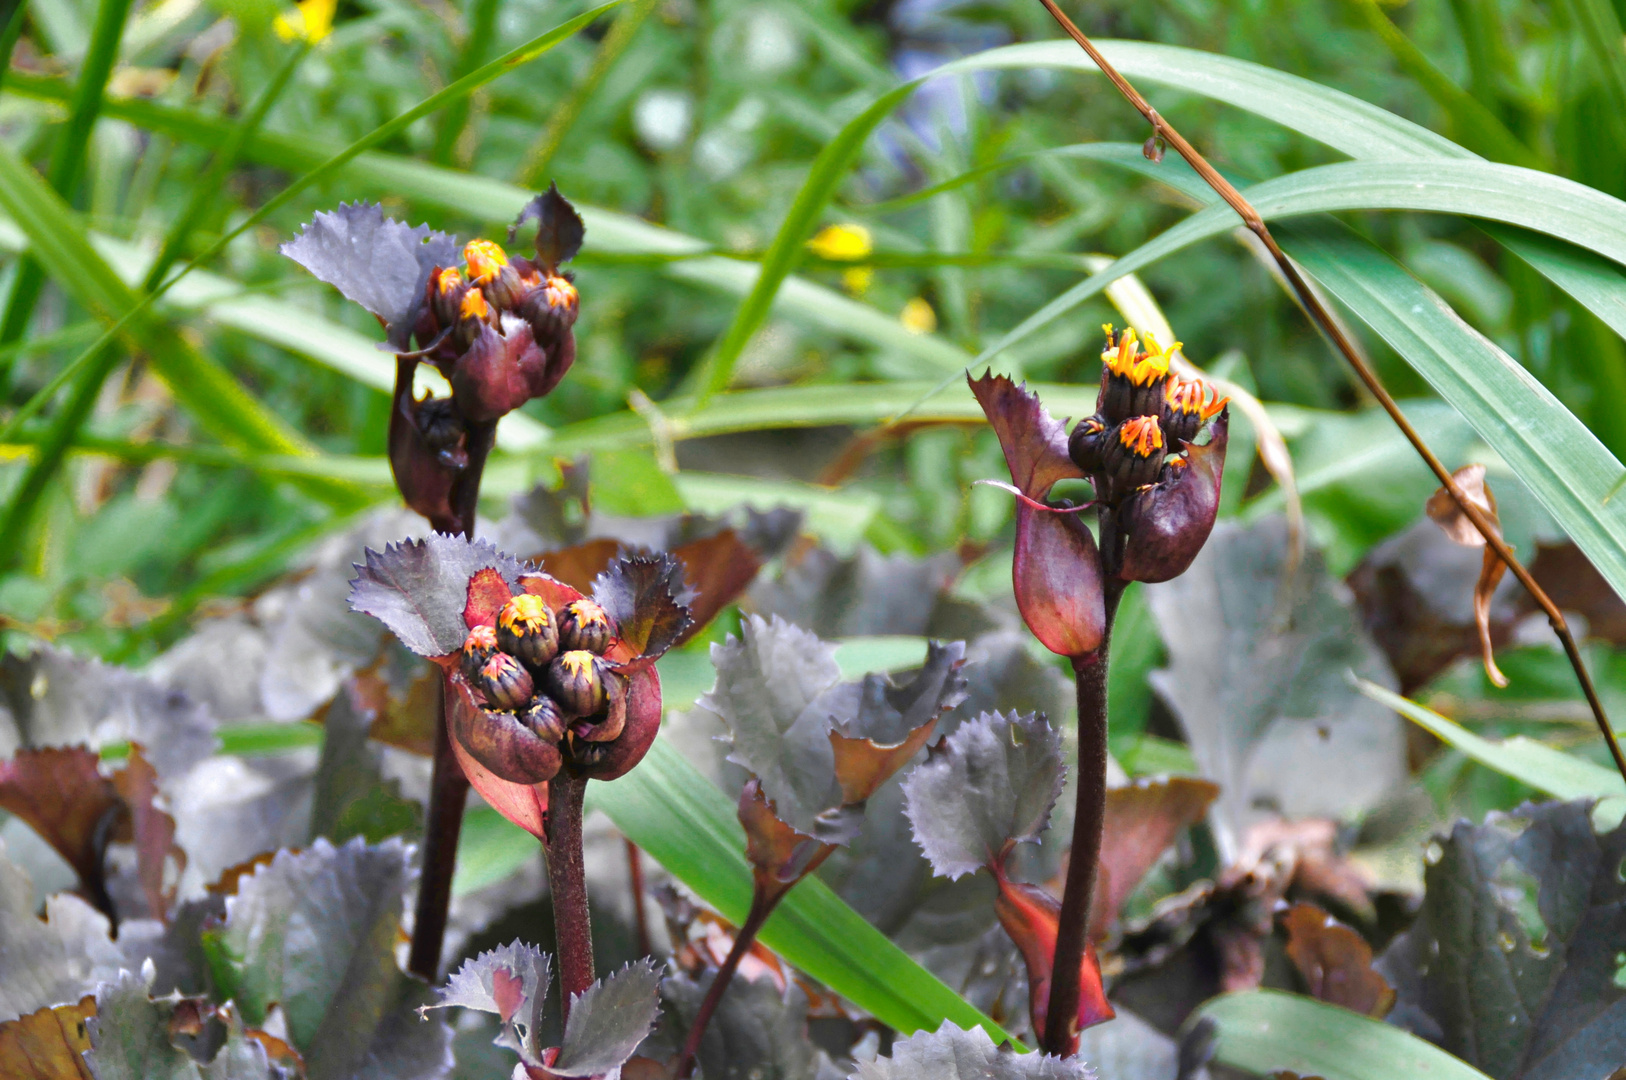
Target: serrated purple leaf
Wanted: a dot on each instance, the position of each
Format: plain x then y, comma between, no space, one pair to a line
418,588
952,1054
991,783
559,228
876,708
380,263
609,1020
646,597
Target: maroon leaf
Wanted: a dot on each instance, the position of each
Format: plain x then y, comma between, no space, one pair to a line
1335,961
887,725
780,856
1035,443
1031,917
151,830
647,600
559,228
487,593
1166,524
419,588
1142,820
61,794
503,745
1056,573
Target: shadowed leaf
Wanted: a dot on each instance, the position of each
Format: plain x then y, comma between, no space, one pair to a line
151,830
63,797
879,727
647,600
419,588
559,228
757,1031
510,981
1335,961
609,1020
866,593
951,1054
985,788
1143,819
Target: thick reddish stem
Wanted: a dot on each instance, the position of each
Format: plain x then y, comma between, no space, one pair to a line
448,791
567,881
1060,1036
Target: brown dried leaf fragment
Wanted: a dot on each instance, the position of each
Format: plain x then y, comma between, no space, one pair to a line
1336,962
1443,511
1143,818
152,831
62,795
49,1044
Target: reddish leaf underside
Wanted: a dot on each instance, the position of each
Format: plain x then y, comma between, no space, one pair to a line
1142,820
151,830
1335,961
60,793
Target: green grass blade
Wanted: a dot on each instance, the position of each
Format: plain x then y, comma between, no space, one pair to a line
1263,1031
1561,775
1600,32
481,16
685,823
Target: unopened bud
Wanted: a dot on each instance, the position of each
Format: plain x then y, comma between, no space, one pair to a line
526,630
477,649
1084,445
584,625
446,289
576,682
1133,454
551,308
544,718
505,683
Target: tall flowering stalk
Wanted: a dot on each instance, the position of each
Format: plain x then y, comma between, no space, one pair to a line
500,330
1156,494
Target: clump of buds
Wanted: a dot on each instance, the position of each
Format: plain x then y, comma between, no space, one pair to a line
498,327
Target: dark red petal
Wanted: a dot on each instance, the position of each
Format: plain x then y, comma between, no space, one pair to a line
1057,577
1035,443
1167,524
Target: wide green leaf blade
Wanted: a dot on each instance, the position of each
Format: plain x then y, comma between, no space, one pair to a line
675,813
1561,775
1262,1031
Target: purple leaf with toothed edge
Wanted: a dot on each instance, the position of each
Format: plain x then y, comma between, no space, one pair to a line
991,783
559,228
609,1020
647,599
952,1054
475,985
418,588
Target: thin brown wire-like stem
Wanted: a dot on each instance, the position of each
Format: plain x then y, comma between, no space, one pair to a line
567,881
762,905
1090,680
640,916
1323,319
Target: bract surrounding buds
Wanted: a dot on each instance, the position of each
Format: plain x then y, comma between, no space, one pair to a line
1165,525
576,682
1056,571
526,631
1132,381
505,683
585,625
1031,917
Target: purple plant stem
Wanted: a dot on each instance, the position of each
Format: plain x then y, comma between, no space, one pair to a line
1090,680
448,791
567,881
762,905
635,871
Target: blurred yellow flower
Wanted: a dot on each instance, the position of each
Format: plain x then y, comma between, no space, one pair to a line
841,242
856,280
311,20
918,317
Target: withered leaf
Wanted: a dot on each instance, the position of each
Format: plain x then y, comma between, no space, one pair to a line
1143,818
152,831
1335,961
779,855
1450,517
419,588
48,1044
984,789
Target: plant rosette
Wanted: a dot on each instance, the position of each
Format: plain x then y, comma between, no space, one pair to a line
541,680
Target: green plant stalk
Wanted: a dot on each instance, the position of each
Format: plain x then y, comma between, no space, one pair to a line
567,882
1313,306
67,156
567,112
482,28
1060,1035
11,17
92,368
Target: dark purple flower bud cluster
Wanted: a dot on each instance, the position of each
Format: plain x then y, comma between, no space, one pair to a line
498,327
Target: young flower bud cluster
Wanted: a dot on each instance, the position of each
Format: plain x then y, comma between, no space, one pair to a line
548,669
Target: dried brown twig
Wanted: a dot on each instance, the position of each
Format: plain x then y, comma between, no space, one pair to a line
1311,302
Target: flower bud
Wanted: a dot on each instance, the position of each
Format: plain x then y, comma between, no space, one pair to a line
526,631
576,682
446,289
1188,404
1133,455
1132,380
505,683
551,309
1084,445
544,718
584,625
491,272
478,647
1165,525
474,315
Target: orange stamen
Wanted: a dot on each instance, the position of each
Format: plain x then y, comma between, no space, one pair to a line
1124,358
1193,396
1142,435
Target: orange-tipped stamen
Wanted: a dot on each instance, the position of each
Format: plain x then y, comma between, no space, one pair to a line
1142,435
1194,397
485,258
1125,358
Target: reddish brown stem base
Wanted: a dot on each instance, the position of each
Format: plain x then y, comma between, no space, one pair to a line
640,917
567,881
762,905
1060,1036
448,791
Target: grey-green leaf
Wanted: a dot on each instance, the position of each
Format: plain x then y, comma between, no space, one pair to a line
952,1054
418,588
755,1032
473,986
47,963
609,1020
989,785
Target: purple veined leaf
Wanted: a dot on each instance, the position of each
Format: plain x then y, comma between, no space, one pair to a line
510,981
609,1020
988,786
378,262
952,1054
419,588
559,228
647,600
1034,442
